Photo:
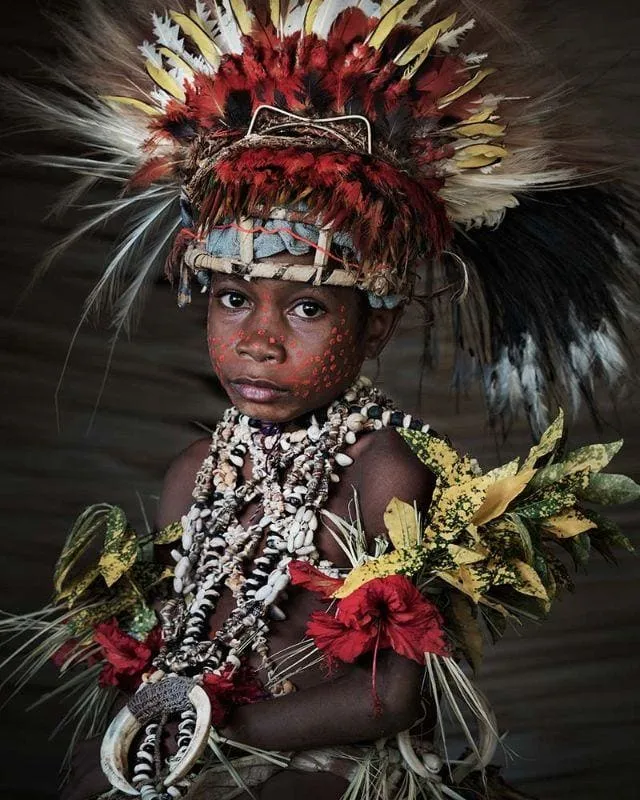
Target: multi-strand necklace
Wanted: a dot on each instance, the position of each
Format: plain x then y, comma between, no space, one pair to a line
289,477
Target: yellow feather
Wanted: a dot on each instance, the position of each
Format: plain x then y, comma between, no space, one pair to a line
274,13
481,116
175,59
479,155
393,17
423,44
480,75
132,103
310,16
242,16
205,44
199,22
165,81
481,129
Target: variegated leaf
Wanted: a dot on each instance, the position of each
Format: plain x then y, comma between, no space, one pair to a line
401,522
607,489
564,526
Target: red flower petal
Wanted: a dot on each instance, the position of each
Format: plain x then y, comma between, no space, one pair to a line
307,576
338,640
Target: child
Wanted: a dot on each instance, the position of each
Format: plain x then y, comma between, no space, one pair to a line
327,159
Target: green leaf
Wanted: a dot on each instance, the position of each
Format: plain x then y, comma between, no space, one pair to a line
593,457
86,527
607,489
548,442
546,504
143,621
120,548
169,534
524,538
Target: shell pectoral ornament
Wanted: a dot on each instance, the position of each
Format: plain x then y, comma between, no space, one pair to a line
171,695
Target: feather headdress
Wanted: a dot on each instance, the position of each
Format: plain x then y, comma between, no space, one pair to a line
396,122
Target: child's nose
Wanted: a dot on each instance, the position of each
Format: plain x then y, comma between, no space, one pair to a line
261,345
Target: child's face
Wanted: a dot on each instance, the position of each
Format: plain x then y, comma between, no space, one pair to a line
281,348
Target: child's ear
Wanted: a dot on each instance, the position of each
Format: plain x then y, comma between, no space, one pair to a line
381,323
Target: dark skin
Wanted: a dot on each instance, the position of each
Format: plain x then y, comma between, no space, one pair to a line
307,345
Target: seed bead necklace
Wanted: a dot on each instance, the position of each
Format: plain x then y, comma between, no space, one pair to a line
291,475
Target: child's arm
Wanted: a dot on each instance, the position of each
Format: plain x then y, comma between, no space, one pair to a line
342,711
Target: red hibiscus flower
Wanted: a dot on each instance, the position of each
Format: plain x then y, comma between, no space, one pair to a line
232,688
383,613
303,574
127,658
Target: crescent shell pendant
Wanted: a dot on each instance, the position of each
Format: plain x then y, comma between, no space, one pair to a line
114,752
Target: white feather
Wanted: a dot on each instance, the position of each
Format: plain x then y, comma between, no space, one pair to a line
150,53
295,20
473,59
204,14
449,41
326,16
167,33
229,37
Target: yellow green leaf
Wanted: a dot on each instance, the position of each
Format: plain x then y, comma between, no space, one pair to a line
529,582
120,548
593,457
610,489
439,456
456,507
463,555
118,557
505,471
547,443
466,580
169,534
74,591
564,526
85,529
500,494
388,564
401,522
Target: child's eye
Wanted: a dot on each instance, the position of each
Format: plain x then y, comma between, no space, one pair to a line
232,300
308,309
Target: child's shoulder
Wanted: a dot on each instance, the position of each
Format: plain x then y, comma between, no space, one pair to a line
180,478
386,467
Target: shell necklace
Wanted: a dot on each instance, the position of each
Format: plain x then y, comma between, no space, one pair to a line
291,474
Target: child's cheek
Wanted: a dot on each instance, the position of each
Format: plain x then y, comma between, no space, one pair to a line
326,372
221,349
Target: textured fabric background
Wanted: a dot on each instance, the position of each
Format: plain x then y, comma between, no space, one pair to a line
567,691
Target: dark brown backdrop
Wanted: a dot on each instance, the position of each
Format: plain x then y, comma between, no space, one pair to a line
567,691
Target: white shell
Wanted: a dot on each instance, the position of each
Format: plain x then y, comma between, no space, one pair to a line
182,567
355,422
199,738
263,592
350,437
343,460
314,433
432,762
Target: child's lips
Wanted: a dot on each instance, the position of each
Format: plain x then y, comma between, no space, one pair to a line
258,391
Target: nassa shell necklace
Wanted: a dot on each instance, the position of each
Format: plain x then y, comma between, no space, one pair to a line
291,475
